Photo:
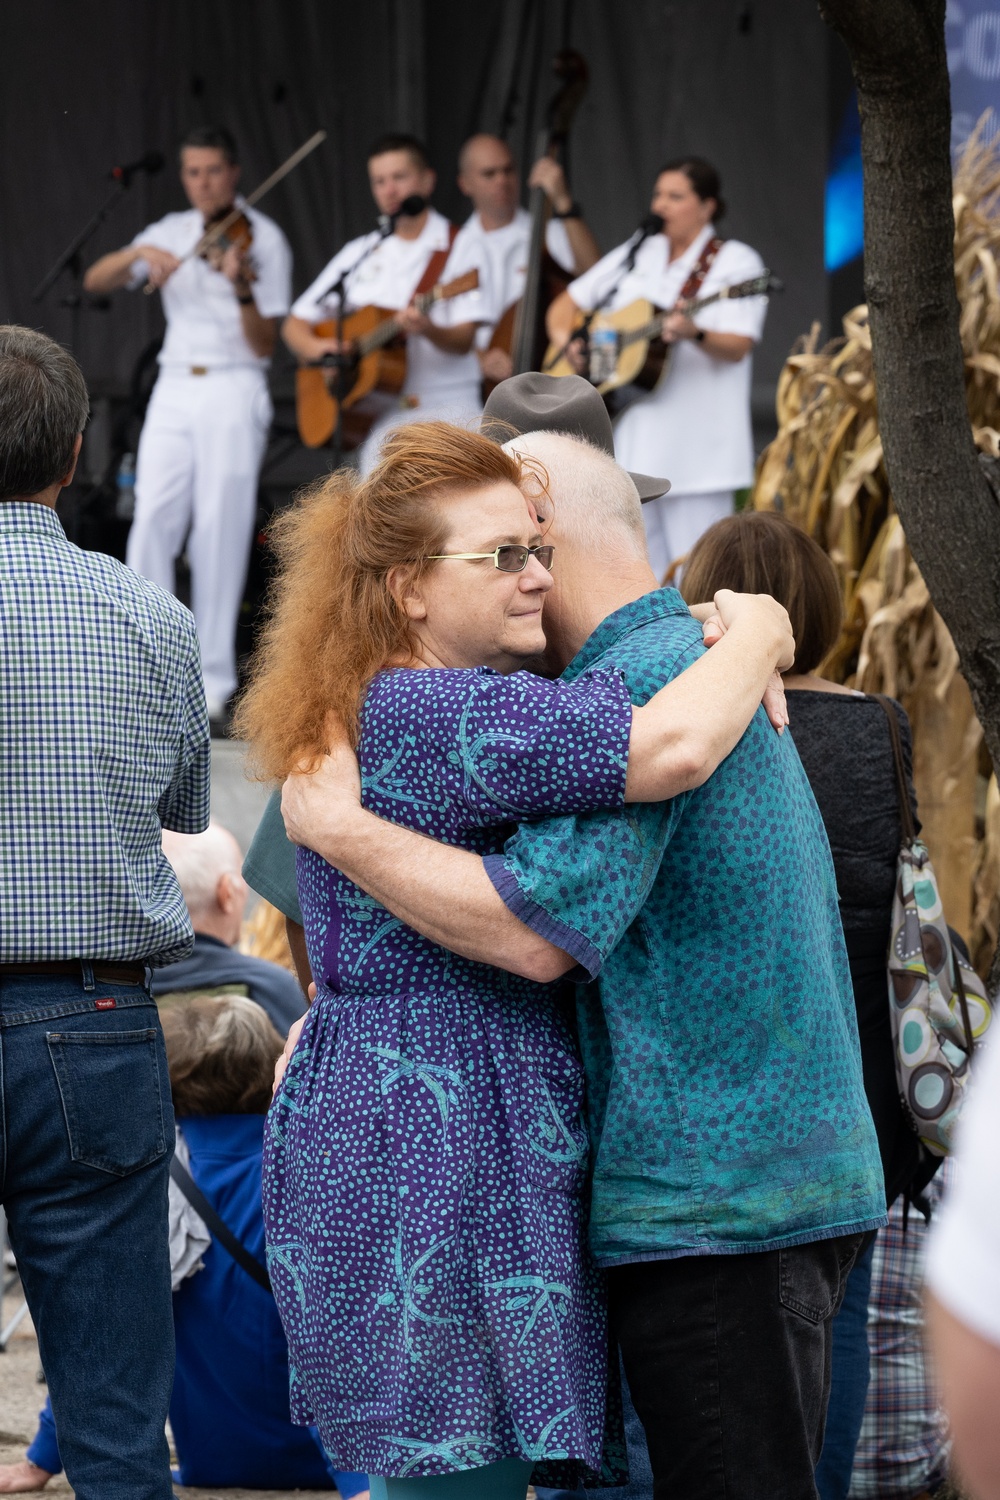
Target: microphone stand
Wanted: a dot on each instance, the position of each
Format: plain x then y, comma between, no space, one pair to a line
628,264
70,260
342,362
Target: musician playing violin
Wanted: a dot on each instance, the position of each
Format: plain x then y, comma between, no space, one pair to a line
487,175
206,427
695,425
384,269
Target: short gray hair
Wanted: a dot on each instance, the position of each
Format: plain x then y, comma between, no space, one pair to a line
199,861
43,408
595,500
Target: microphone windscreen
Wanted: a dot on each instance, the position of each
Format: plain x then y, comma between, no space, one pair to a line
652,224
411,207
153,161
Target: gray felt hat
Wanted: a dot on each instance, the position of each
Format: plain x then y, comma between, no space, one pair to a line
558,403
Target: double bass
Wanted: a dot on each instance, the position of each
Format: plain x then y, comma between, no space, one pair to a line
521,329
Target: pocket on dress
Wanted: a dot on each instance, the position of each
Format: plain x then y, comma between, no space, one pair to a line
115,1096
553,1113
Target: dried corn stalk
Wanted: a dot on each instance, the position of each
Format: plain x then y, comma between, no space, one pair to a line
825,471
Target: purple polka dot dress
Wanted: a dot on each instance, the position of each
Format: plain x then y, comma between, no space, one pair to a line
425,1181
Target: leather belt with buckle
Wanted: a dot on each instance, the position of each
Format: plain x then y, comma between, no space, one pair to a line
107,972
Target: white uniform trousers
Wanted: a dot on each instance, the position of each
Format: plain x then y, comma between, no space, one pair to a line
675,522
196,477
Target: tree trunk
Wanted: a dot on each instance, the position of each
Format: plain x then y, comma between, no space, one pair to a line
949,510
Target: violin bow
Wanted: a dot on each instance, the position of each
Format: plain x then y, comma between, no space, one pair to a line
254,197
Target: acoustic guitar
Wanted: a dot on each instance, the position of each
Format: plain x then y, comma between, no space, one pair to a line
376,361
625,348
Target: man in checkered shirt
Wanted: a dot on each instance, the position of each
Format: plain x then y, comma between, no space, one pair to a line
103,741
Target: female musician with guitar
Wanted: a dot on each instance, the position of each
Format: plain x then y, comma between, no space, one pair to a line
390,270
695,423
206,427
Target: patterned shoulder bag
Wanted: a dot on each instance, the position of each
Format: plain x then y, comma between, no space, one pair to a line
937,1003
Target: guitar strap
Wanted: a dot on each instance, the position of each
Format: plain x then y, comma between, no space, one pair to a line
702,266
436,264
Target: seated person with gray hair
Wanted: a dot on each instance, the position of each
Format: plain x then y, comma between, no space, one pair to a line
207,866
229,1410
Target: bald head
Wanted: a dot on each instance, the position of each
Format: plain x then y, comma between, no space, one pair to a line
487,175
207,866
595,502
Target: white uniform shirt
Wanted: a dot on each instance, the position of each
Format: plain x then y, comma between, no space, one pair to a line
963,1253
695,427
507,252
388,277
199,303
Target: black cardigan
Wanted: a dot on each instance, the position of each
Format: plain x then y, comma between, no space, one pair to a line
844,745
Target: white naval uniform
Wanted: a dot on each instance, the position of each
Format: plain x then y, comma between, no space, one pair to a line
437,385
695,427
205,432
507,253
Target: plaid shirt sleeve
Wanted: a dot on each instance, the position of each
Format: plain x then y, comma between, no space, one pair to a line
184,806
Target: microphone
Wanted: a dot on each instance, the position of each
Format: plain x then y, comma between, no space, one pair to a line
409,208
153,161
651,224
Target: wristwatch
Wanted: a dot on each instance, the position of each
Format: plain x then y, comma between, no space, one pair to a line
574,211
699,336
245,301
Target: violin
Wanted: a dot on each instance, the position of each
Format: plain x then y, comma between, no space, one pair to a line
231,226
226,229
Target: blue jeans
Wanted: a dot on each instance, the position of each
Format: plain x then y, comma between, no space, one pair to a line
848,1382
86,1136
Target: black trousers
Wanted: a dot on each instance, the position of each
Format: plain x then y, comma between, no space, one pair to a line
728,1363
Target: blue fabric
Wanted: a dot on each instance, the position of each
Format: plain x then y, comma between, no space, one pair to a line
103,737
212,964
727,1107
229,1409
849,1383
269,867
506,1480
44,1449
640,1473
86,1136
426,1157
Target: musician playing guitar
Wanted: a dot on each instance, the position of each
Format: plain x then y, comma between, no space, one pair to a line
386,270
487,175
695,425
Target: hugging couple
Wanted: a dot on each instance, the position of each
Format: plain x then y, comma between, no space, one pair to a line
582,1072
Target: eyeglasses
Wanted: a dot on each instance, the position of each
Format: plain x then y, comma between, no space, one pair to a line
509,557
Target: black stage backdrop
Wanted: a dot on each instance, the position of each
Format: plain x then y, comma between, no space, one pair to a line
91,83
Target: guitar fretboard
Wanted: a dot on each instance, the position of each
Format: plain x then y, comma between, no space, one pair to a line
759,286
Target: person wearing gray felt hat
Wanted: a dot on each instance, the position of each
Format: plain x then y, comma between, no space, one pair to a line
558,403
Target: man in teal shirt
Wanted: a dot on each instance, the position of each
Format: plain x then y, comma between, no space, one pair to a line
735,1162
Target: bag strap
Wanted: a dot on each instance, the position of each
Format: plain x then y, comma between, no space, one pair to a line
909,835
435,266
217,1226
905,810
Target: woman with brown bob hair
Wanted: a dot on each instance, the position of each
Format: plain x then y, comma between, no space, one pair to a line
842,737
424,1185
